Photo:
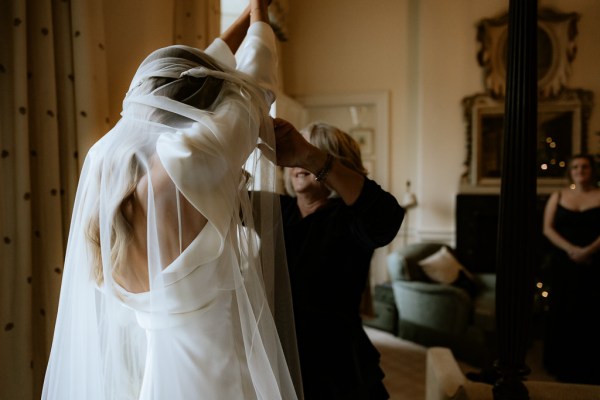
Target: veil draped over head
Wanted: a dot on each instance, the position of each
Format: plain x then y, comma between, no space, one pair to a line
175,272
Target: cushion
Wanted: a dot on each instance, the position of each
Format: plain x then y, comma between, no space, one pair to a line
441,266
409,258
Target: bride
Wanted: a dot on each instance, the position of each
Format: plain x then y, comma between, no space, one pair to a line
168,291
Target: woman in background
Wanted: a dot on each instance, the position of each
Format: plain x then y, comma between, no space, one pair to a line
333,220
572,224
166,295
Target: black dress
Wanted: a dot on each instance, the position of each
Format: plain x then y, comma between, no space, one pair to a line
572,339
329,254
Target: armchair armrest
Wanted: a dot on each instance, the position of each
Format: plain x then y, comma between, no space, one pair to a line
437,307
396,266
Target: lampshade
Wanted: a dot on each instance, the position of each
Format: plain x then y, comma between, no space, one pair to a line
409,200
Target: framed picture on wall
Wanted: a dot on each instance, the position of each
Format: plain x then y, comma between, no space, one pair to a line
364,137
561,132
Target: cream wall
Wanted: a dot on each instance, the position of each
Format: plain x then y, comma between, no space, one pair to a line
448,71
133,29
338,47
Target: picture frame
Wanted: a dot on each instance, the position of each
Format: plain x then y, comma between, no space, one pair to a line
562,116
335,109
365,139
556,33
562,126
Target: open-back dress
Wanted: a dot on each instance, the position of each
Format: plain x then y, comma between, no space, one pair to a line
201,323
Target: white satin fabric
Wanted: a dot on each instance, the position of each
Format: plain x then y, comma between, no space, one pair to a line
205,328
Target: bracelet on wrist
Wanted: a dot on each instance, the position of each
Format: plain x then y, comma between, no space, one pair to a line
324,171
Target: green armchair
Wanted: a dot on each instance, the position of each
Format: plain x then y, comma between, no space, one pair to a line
458,315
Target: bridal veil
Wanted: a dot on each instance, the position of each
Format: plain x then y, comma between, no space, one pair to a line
218,308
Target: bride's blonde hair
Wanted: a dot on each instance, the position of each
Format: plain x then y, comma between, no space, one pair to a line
121,228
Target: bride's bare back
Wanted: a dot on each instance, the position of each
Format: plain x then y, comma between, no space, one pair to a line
133,277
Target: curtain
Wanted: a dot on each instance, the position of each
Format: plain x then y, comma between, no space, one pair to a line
197,22
53,106
54,93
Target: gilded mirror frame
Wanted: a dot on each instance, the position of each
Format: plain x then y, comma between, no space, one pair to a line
563,113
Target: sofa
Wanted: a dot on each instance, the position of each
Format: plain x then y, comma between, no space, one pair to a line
437,308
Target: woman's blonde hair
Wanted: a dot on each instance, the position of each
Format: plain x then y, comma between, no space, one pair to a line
121,229
333,141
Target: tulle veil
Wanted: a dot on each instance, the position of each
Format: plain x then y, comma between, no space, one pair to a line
100,349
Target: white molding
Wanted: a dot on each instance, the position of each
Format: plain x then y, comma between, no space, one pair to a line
437,235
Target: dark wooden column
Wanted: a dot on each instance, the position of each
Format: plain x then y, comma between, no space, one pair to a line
517,227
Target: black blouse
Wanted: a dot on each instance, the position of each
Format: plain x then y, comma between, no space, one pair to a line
329,254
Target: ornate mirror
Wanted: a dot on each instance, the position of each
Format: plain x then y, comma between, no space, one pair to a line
556,51
563,112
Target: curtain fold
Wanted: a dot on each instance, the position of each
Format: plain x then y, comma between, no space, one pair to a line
196,22
53,106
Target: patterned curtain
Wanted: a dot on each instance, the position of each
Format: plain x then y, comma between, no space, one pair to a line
53,106
197,22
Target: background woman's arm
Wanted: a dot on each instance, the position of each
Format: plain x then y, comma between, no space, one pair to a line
549,231
576,253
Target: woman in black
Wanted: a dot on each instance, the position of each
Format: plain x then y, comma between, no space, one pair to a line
334,219
572,224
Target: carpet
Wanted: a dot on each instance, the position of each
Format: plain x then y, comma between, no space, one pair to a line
403,363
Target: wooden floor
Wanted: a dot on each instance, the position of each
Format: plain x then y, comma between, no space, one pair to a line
404,365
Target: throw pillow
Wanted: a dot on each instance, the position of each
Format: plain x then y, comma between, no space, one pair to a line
442,266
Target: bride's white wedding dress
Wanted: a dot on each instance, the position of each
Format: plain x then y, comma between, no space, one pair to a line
204,329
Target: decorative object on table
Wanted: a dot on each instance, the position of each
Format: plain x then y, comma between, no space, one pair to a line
409,200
